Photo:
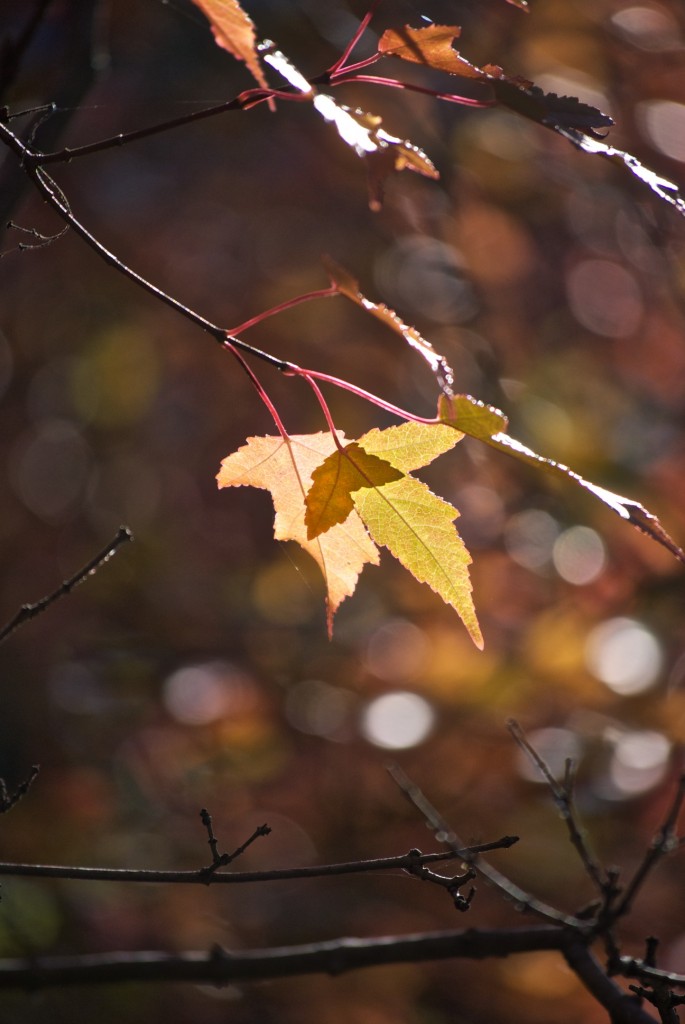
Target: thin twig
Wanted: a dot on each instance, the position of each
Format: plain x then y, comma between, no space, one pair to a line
220,860
665,841
7,799
403,862
29,611
563,798
53,195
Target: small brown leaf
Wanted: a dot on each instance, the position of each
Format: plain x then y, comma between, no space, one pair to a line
234,31
430,46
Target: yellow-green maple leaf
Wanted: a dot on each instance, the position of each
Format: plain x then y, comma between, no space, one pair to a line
410,445
414,524
417,527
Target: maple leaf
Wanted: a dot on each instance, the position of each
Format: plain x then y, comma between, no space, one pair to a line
285,469
417,527
234,31
400,512
326,497
488,424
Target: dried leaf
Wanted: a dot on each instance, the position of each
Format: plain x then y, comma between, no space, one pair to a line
431,46
234,31
329,500
285,469
349,287
480,425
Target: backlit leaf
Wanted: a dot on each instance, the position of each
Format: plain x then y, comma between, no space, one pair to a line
329,500
361,130
664,188
285,469
322,497
349,287
430,45
383,153
410,445
417,527
472,416
234,31
479,426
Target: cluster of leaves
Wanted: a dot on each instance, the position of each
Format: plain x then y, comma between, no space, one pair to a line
370,491
339,499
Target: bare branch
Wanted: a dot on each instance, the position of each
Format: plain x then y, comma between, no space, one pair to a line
29,611
7,799
222,859
404,862
221,967
665,841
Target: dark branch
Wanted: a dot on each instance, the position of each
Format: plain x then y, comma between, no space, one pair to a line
221,967
29,611
220,860
665,841
7,799
403,862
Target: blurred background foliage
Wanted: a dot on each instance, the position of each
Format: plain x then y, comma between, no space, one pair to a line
194,669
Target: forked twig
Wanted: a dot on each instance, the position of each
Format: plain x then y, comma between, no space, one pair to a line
7,799
220,860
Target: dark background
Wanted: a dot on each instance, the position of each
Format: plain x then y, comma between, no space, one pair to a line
194,670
